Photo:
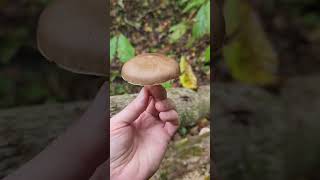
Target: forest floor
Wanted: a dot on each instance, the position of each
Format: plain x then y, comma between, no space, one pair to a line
147,26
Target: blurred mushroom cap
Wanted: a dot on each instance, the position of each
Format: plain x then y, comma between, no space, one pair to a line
150,69
72,33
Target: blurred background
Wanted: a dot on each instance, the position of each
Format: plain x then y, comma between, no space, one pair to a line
269,41
26,77
266,91
38,100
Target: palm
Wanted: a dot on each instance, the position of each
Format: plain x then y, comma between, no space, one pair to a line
137,148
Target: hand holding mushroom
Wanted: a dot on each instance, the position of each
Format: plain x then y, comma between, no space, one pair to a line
140,133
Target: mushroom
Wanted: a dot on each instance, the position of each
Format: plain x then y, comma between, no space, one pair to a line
150,69
72,33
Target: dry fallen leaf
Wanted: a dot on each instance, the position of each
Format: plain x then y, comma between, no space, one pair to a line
187,77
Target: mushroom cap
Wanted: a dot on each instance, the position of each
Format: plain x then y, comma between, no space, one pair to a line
150,69
72,33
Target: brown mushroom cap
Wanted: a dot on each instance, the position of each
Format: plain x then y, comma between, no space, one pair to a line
150,69
72,33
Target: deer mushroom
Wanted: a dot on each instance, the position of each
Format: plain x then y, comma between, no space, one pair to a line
150,69
72,33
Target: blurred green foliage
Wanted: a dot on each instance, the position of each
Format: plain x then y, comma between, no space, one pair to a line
189,5
177,31
201,26
113,47
249,56
11,42
200,23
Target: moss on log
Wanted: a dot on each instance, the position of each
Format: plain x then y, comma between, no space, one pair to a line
186,159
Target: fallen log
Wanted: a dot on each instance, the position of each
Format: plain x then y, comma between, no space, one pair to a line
191,105
25,131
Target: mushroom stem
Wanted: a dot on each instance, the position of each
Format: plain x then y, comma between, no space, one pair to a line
157,92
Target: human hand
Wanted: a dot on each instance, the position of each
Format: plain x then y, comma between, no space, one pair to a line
80,153
140,133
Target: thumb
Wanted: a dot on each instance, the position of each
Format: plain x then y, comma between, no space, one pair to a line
134,109
157,92
101,172
98,109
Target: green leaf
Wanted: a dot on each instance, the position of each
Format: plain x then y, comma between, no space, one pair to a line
183,131
202,25
125,50
113,47
193,4
250,56
167,85
182,2
207,55
177,31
